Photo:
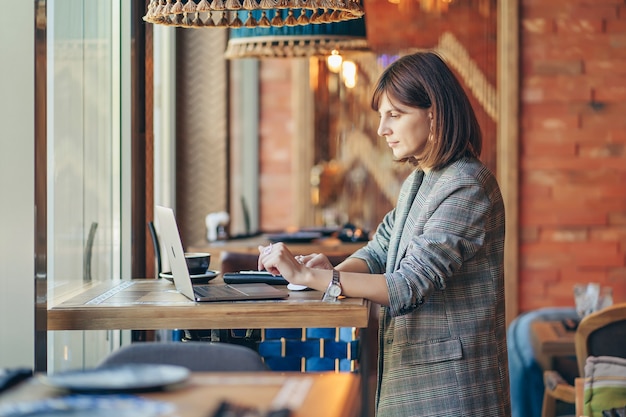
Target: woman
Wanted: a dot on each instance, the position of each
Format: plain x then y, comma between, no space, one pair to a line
435,263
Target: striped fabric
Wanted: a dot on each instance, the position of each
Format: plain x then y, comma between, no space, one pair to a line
605,384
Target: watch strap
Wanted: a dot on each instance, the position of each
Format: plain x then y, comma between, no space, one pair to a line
335,284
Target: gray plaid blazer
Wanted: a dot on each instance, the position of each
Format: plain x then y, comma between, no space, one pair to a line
442,340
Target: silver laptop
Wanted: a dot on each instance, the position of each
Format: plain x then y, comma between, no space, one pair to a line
172,245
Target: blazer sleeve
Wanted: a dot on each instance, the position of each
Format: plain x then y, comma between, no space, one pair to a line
450,231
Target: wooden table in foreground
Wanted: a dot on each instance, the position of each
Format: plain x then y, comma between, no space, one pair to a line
551,340
323,394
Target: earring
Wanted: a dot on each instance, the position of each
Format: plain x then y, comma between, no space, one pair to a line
431,137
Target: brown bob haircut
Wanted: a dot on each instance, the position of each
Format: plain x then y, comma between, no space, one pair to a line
423,80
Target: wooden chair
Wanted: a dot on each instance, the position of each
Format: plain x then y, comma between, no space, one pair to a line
196,356
599,334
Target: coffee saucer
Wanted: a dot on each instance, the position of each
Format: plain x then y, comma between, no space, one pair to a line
195,279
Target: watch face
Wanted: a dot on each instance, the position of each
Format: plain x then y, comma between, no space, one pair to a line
334,291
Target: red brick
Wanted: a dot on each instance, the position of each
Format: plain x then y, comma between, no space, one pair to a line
617,234
617,274
550,116
559,213
531,302
616,136
538,26
539,278
609,206
582,178
536,3
617,280
610,93
613,114
276,130
617,42
553,109
573,164
551,122
582,193
555,67
562,293
547,148
531,190
570,9
583,46
572,276
565,255
533,291
564,234
616,25
580,25
547,179
612,68
539,46
560,88
617,219
560,177
533,137
607,150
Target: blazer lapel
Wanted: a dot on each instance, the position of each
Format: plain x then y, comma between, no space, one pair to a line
405,202
414,218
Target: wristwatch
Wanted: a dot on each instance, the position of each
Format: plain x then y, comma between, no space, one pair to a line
334,288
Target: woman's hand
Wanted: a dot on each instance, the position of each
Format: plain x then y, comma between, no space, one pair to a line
315,260
278,260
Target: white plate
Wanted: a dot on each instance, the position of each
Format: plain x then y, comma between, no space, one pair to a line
196,279
123,378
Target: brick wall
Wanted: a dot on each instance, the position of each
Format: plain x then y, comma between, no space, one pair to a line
276,131
573,158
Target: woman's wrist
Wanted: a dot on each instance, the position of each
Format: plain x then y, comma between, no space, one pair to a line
318,279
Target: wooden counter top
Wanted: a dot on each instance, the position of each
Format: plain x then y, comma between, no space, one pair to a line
150,304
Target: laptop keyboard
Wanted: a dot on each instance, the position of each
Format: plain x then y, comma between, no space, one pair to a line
213,290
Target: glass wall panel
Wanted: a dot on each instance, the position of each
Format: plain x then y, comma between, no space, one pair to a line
85,168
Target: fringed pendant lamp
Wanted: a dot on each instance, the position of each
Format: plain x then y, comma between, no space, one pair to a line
297,41
258,13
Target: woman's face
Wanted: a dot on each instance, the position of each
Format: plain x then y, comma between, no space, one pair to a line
406,129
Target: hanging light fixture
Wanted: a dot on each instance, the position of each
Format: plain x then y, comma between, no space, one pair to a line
297,41
271,13
334,61
349,73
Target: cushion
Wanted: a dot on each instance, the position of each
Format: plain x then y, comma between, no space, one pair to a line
605,384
